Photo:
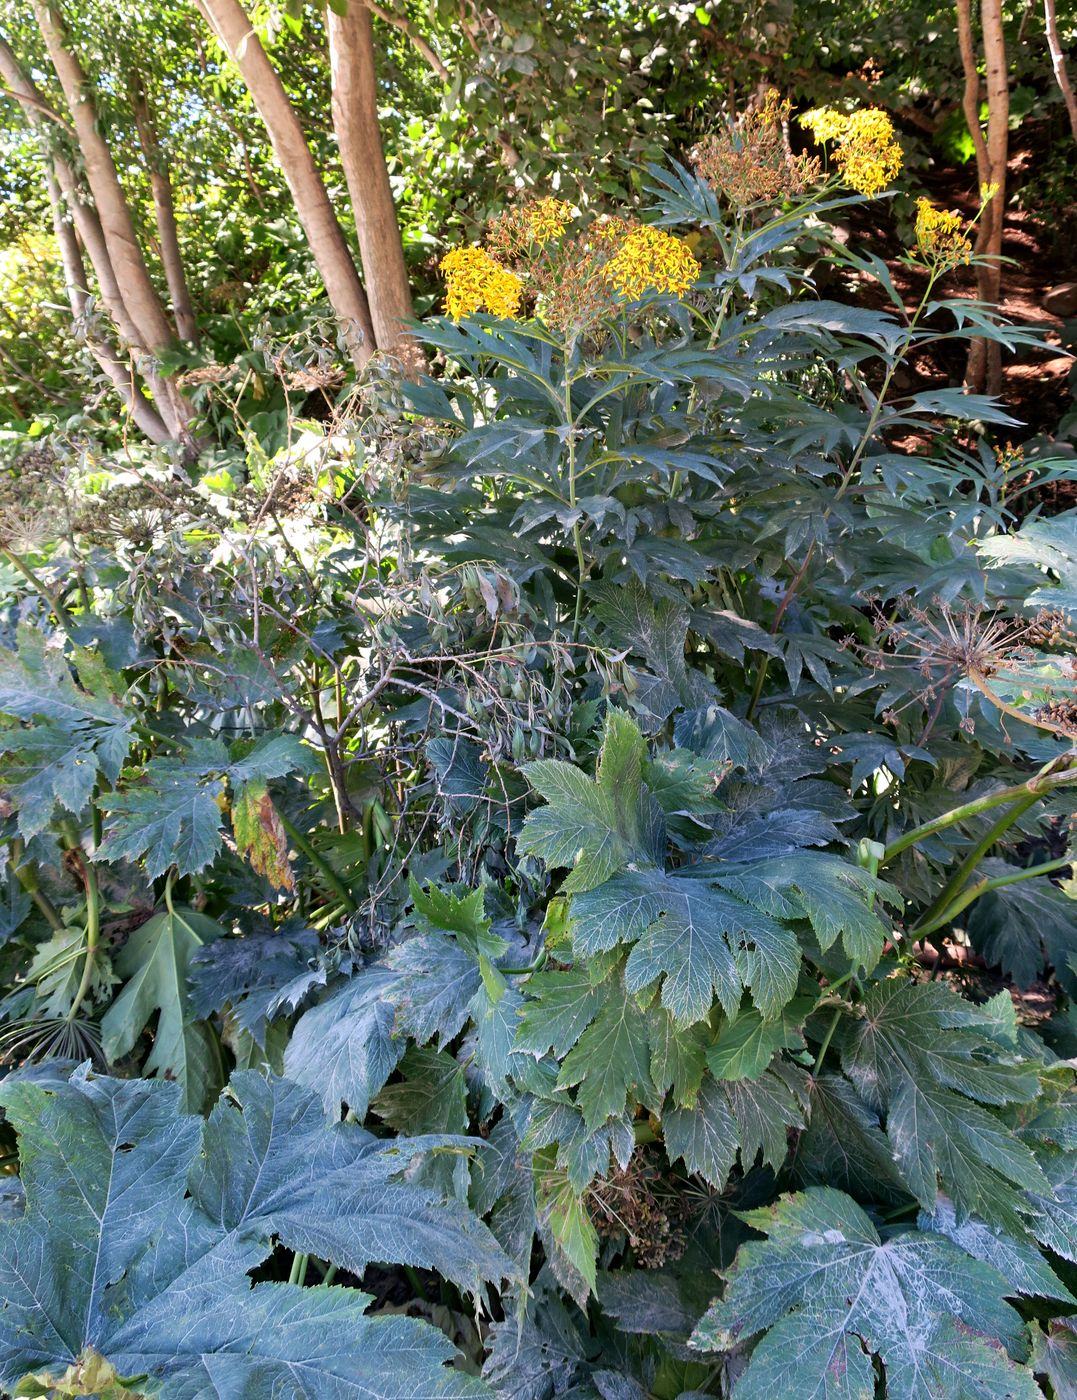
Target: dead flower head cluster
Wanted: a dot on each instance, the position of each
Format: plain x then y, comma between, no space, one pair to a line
979,644
749,161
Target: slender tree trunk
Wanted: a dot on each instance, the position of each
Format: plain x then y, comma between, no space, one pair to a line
355,121
165,211
230,23
144,312
139,294
65,202
984,370
1058,63
120,372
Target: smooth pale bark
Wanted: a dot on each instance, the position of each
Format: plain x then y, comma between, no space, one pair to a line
984,370
71,214
333,258
164,209
1058,63
355,121
121,373
139,294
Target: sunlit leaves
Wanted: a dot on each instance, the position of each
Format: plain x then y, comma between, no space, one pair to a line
595,828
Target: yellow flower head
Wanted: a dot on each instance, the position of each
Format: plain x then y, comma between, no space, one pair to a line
825,123
547,218
940,235
649,259
474,281
988,192
866,150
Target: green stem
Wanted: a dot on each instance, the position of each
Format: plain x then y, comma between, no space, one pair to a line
38,584
298,1274
1044,781
577,538
965,870
93,935
27,878
984,887
328,874
838,1010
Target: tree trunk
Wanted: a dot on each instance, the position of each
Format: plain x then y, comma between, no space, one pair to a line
121,374
229,22
1058,63
65,201
984,370
165,211
355,122
139,295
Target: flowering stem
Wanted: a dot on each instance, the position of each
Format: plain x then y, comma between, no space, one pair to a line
577,538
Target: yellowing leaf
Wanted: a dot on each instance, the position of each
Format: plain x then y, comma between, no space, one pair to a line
260,836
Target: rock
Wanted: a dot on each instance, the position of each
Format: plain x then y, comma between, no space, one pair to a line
1061,300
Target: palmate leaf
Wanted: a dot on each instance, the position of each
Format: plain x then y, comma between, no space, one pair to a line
702,941
657,631
745,1119
828,1295
172,814
921,1056
141,1224
610,1059
1021,926
78,730
836,898
596,828
154,964
343,1048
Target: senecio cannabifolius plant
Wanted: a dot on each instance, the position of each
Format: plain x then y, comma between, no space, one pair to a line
583,851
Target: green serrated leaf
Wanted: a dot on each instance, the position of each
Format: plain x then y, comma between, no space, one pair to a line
827,1294
120,1185
154,965
595,829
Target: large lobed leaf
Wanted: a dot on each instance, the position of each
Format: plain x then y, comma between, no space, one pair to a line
828,1294
142,1223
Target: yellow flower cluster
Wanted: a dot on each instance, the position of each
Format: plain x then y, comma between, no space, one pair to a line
866,148
940,235
648,259
474,281
547,218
